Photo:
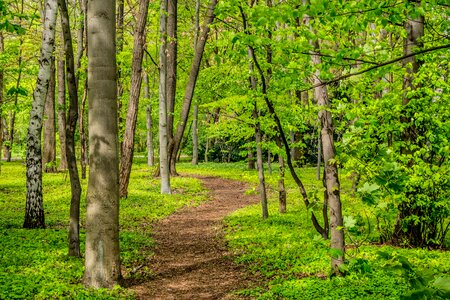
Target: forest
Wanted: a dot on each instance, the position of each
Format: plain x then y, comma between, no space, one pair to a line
206,149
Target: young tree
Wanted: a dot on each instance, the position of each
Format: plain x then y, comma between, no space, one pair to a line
133,104
62,111
34,210
74,224
149,124
102,265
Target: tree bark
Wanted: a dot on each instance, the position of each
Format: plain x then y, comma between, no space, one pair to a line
195,136
189,93
2,49
119,49
171,65
102,264
74,224
163,130
62,112
260,165
133,104
34,210
83,134
49,147
149,123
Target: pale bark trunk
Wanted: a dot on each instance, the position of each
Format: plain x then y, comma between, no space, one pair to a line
74,224
171,65
119,49
149,123
49,146
133,104
319,156
102,264
189,93
163,130
331,169
260,165
195,136
62,112
34,210
83,134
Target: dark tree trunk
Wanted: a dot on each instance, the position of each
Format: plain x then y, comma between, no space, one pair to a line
74,224
133,104
49,147
171,82
149,124
34,209
195,136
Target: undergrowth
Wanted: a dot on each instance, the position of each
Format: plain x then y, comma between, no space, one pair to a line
34,263
286,250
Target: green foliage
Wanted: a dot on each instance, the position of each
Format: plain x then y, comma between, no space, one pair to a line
34,263
289,254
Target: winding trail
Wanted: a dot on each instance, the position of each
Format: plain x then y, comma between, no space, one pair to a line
191,259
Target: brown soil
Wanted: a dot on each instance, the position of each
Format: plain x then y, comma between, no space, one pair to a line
191,258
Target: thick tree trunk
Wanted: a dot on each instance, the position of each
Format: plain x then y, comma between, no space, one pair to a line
62,112
189,93
49,147
195,136
133,104
171,65
149,123
74,224
102,264
34,210
163,130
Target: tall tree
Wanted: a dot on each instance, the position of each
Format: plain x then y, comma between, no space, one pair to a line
171,76
2,48
149,124
49,147
135,91
102,264
195,118
190,87
74,224
163,126
34,209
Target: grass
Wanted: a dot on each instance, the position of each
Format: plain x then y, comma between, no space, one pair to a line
295,260
34,263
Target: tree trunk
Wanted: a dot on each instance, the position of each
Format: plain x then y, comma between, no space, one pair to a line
83,135
102,264
149,123
251,159
2,48
62,112
260,165
49,147
269,162
163,130
195,136
34,209
171,66
120,42
74,224
189,93
133,104
281,187
319,156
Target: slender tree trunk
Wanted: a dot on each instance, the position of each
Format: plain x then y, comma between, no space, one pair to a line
189,93
62,112
49,147
319,156
133,104
102,264
269,162
330,165
83,134
34,209
171,66
119,49
163,130
281,186
74,224
260,165
195,136
251,159
149,123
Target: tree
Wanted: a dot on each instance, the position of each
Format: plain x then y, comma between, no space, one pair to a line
149,124
62,111
34,210
163,125
74,224
49,147
102,265
133,103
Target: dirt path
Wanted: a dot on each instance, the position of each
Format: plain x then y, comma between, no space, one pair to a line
191,260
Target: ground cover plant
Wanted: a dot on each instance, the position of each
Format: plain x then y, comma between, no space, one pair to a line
294,259
34,263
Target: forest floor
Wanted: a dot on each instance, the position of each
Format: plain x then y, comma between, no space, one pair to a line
191,258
